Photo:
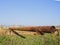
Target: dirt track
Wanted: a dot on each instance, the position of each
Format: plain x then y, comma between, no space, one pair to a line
7,32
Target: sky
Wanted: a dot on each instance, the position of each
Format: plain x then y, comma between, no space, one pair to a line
30,12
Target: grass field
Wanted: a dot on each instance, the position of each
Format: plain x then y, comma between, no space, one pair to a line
47,39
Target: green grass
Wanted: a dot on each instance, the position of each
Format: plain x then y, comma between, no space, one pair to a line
47,39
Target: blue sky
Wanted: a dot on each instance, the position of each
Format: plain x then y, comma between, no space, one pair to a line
30,12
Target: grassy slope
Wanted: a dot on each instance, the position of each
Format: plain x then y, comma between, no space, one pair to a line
47,39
